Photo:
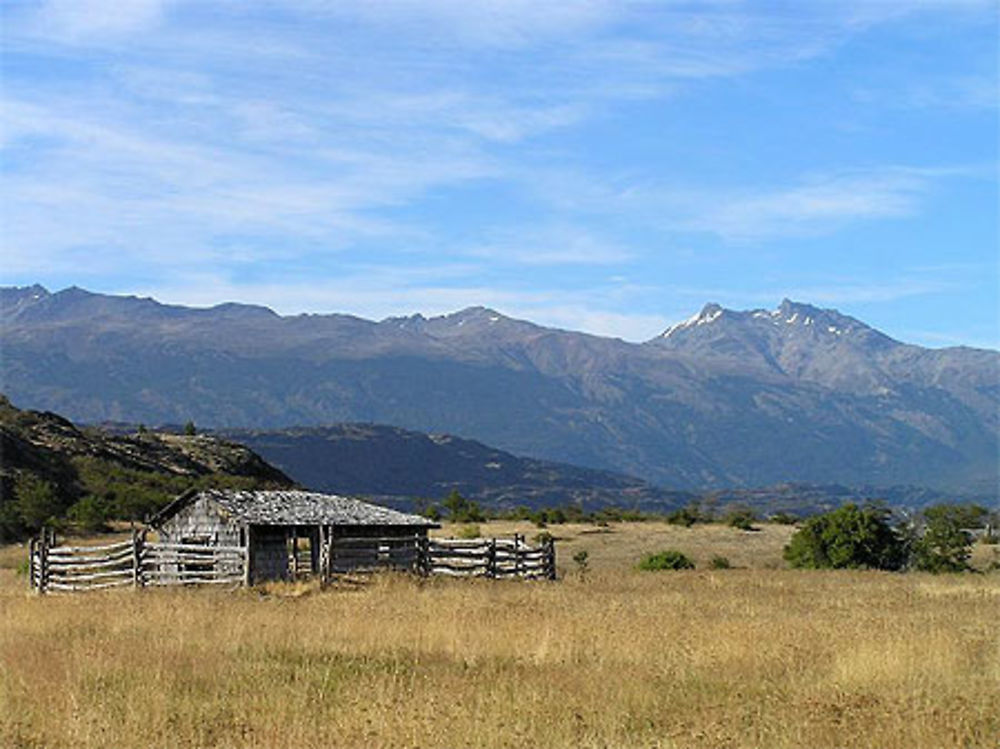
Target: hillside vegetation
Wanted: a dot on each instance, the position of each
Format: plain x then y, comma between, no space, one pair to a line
610,657
52,472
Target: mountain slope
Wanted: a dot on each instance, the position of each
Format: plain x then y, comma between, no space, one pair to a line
379,460
727,398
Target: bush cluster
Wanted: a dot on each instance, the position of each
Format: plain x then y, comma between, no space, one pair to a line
864,537
666,560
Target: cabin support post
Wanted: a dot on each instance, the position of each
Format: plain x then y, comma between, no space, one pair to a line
293,554
330,540
248,555
323,561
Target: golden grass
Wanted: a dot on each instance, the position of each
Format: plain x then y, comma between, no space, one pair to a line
739,658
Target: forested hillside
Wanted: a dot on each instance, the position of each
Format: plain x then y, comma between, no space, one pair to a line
51,471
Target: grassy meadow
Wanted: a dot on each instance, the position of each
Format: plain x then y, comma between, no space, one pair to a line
755,656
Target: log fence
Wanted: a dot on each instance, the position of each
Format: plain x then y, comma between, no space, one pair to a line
140,563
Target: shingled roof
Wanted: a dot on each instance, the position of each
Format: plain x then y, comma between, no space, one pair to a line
294,508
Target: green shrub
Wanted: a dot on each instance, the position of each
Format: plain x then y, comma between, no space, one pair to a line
666,560
720,563
944,545
543,538
582,563
684,516
784,518
90,514
469,531
553,515
741,518
848,537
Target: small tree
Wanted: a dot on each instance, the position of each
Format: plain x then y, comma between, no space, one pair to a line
944,546
90,514
38,501
190,430
462,510
848,537
685,516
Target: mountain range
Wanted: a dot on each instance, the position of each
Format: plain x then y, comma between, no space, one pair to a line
398,466
724,399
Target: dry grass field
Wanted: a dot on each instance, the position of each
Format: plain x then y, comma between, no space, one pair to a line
752,657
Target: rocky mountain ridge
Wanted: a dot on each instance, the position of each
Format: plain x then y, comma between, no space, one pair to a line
727,399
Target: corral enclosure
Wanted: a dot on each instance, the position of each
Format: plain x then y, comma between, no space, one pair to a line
752,657
247,537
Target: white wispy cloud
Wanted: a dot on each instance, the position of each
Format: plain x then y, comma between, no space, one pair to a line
79,19
815,206
966,92
552,245
190,140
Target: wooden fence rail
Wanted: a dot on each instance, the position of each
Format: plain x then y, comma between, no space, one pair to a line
140,563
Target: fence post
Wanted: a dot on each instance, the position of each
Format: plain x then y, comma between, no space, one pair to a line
491,558
137,578
424,555
518,565
32,544
550,558
43,562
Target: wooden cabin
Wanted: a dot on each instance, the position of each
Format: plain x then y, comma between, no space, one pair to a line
285,532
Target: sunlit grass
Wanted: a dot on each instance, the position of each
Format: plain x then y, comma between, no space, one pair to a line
734,658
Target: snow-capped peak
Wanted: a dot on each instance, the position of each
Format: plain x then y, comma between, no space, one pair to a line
795,314
789,319
709,314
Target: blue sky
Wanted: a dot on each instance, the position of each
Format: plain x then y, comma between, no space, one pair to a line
596,165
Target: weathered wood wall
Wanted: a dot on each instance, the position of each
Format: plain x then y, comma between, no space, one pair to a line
202,520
